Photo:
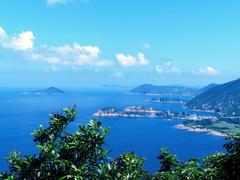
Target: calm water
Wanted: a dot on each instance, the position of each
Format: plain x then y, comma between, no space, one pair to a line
20,114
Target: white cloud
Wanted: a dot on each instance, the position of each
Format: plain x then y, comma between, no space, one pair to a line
69,55
118,74
128,60
168,68
147,46
207,71
23,41
54,2
73,55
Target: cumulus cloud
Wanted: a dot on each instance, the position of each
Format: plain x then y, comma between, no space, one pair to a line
207,71
118,74
54,2
129,60
69,55
168,68
23,41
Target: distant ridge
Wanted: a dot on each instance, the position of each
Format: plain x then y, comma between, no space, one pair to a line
224,98
206,88
149,89
50,90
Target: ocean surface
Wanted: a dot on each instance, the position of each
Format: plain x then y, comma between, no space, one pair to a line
21,113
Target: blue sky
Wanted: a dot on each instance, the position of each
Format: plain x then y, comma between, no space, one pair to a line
94,42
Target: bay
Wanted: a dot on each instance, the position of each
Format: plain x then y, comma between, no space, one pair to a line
21,113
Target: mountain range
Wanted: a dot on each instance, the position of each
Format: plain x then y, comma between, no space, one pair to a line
149,89
206,88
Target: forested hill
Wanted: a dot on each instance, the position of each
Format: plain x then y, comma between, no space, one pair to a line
206,88
224,98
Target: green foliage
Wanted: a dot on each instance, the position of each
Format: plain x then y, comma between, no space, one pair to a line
214,166
81,155
223,166
126,166
172,169
167,160
232,160
189,170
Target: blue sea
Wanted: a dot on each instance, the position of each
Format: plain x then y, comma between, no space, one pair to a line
21,113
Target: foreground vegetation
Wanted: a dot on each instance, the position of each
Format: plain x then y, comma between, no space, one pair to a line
81,155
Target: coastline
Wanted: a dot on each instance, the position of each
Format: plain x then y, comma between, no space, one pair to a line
158,94
200,130
199,110
97,114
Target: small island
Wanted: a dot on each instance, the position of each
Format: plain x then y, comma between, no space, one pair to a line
50,90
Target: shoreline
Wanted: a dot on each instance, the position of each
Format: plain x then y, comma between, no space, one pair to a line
200,130
199,110
158,94
116,115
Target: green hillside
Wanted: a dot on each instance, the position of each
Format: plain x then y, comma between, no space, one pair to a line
224,99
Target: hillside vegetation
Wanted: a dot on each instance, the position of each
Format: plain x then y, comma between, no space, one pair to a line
224,99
